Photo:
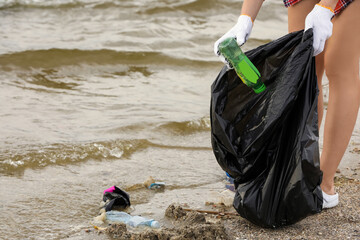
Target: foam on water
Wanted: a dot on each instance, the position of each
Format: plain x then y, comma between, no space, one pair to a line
15,161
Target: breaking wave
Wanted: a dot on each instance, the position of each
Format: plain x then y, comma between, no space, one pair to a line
62,154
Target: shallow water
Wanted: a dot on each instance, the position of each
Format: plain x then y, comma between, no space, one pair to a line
97,92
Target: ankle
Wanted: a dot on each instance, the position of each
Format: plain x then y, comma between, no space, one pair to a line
328,188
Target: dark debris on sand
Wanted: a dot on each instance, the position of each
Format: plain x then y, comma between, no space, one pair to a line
188,225
341,222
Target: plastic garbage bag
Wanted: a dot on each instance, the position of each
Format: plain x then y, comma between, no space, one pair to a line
115,197
268,142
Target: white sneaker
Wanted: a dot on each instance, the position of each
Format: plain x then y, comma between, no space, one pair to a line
330,201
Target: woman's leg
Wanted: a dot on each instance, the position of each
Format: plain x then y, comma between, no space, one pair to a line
342,69
342,52
296,21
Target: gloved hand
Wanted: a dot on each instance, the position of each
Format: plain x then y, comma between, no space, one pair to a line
241,31
319,19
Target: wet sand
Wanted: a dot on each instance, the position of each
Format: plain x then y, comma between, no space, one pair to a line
341,222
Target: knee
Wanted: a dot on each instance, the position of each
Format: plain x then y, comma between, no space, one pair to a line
343,80
343,71
336,64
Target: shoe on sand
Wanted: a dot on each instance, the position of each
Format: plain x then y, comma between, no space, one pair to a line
330,201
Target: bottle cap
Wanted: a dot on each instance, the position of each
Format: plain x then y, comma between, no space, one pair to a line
260,89
155,224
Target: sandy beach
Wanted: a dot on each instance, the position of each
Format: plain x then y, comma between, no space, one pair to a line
96,93
341,222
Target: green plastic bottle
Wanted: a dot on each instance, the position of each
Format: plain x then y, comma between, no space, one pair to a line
247,72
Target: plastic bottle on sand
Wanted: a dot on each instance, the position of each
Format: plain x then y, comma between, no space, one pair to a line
133,221
244,68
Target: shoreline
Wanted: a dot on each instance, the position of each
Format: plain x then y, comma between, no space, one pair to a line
340,222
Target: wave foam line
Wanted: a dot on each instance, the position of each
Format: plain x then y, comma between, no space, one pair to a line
61,154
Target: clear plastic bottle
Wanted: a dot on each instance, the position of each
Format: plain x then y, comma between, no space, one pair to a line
244,68
133,221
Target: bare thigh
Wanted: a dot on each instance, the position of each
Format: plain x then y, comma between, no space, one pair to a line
296,21
297,14
343,47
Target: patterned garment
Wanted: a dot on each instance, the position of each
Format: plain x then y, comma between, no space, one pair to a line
339,6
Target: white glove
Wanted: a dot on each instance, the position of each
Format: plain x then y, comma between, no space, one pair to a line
241,31
319,19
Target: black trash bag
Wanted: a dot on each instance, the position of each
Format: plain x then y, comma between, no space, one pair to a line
268,142
114,197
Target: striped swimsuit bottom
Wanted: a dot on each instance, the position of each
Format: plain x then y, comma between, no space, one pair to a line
339,6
